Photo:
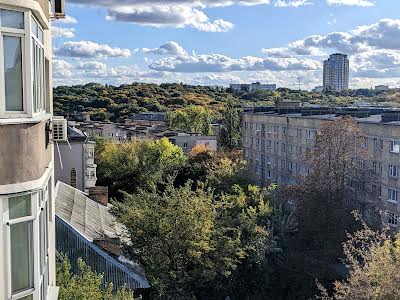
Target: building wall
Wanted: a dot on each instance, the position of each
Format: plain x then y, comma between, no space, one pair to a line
26,164
25,155
72,158
187,143
274,146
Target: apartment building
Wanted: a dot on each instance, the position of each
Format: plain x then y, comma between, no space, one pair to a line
336,73
275,143
27,234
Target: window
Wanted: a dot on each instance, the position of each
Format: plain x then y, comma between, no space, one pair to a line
20,214
276,129
73,178
284,131
90,174
393,170
269,144
283,147
89,152
394,146
13,82
298,132
365,142
16,65
308,134
185,145
392,195
392,219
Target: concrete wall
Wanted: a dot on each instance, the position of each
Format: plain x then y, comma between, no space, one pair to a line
71,158
23,153
257,151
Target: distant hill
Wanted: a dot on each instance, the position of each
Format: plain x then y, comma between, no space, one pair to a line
115,103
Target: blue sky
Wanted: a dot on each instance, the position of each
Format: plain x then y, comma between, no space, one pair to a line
216,42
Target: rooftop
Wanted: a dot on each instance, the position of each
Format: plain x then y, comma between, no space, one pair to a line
365,114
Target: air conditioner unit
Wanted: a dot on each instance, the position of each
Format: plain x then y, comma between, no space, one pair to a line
60,129
59,9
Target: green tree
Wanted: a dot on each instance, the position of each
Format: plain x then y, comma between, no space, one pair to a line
231,127
138,164
83,286
193,118
194,246
86,285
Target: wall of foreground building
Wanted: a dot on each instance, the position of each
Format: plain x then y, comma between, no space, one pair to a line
275,145
27,216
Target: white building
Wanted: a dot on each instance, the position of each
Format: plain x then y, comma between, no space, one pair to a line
336,73
27,234
253,87
381,88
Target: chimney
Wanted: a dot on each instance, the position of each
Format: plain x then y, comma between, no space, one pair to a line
99,194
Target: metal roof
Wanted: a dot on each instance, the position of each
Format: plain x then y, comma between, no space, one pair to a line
79,221
90,218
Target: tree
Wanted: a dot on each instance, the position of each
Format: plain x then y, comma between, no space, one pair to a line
231,127
193,118
138,164
339,182
373,261
194,246
86,285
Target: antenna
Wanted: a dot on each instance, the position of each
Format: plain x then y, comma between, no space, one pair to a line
299,82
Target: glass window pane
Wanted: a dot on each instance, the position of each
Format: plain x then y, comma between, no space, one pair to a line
19,206
21,257
13,73
13,19
34,27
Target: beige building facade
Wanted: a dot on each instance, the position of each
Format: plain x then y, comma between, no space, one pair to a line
274,145
27,234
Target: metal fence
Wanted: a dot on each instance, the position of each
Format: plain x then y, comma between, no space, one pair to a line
72,243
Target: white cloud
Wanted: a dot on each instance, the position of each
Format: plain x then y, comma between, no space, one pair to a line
384,34
68,20
221,63
87,49
62,69
292,3
62,32
174,13
169,48
362,3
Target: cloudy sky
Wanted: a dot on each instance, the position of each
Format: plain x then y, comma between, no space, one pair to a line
217,42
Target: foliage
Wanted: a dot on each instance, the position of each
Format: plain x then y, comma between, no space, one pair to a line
338,183
373,261
138,164
116,103
194,246
83,286
195,119
231,127
86,285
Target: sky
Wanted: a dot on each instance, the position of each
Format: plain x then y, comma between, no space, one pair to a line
218,42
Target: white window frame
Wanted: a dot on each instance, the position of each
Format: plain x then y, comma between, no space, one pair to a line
392,219
393,171
39,199
27,79
393,192
393,144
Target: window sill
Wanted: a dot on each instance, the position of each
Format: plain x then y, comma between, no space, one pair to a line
392,201
25,120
